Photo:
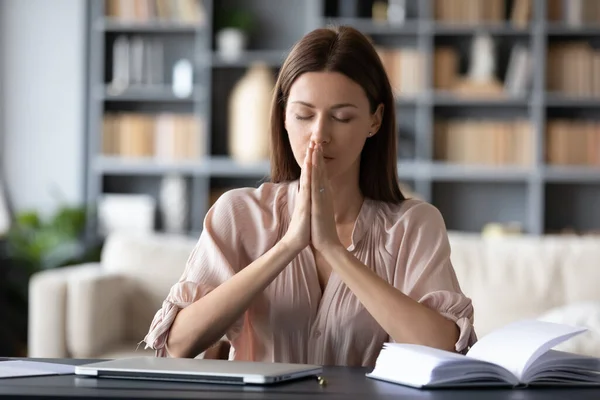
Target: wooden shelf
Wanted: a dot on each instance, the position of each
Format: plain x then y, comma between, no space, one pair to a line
451,100
224,166
370,27
572,174
273,58
555,30
516,191
569,101
440,171
442,29
158,26
147,94
206,167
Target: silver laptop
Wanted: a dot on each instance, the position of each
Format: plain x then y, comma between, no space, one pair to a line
198,370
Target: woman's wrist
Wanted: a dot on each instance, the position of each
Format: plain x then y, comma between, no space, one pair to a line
290,245
334,251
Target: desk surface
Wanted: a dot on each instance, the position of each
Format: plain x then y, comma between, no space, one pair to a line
346,383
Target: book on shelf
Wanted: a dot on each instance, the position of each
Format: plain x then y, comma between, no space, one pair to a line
405,69
137,62
517,81
184,11
521,13
469,11
519,354
163,136
471,141
519,71
574,13
492,12
573,69
445,67
571,142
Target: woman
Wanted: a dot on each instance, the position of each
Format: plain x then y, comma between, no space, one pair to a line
327,261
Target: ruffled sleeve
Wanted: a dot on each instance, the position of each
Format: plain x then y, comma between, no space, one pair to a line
425,273
217,256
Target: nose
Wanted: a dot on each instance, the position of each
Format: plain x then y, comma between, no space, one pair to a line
320,132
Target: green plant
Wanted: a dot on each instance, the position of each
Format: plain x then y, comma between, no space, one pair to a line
31,245
37,244
239,19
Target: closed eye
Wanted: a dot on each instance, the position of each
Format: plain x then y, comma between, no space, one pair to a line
306,118
343,120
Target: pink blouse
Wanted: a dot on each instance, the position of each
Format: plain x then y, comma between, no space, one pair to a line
292,320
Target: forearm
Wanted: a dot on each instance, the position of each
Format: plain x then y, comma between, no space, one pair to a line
403,318
201,324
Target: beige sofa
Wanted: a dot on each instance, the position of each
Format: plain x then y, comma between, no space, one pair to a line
104,310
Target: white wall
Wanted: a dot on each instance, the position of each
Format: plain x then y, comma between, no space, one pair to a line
1,92
43,74
4,217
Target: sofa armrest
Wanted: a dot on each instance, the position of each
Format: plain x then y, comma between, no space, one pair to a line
47,311
96,318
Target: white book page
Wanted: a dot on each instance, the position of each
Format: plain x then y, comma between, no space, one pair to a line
560,365
19,368
517,345
413,364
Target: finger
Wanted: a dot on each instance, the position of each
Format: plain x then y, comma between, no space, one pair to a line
315,174
322,169
303,168
306,172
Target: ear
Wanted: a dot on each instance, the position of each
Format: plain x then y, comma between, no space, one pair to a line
376,119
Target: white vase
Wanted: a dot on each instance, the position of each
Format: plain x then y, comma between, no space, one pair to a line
249,115
183,78
231,42
174,204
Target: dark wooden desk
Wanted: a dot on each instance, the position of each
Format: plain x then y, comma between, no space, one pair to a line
343,383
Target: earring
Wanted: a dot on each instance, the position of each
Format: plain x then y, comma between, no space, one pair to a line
370,134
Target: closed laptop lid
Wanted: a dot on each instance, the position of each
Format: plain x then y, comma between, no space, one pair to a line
200,370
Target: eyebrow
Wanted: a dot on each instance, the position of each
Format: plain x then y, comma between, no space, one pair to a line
336,106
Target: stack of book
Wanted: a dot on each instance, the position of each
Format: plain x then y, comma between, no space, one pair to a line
519,354
466,141
164,136
573,142
482,11
573,68
187,11
405,68
574,13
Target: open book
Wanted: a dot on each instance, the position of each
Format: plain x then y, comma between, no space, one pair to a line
519,354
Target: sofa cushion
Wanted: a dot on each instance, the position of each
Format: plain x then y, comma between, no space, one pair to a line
152,263
507,278
584,314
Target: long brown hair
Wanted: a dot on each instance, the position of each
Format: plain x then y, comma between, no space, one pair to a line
345,50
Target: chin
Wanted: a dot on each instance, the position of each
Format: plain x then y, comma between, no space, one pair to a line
337,168
333,170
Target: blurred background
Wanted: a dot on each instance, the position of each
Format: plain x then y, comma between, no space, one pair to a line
122,121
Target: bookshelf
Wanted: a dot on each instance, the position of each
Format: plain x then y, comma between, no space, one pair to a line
528,153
